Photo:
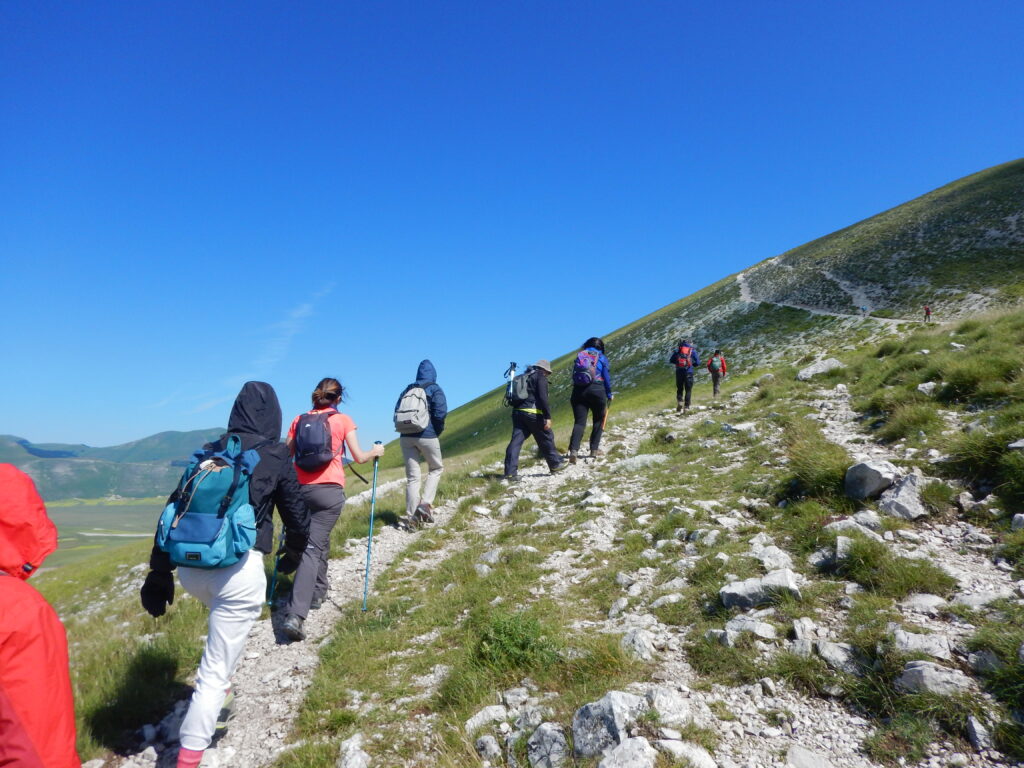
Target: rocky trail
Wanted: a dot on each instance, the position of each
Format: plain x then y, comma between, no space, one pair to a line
767,724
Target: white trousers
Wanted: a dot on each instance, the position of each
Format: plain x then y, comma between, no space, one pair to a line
415,449
235,597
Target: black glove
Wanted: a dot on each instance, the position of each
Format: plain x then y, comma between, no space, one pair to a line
288,559
157,592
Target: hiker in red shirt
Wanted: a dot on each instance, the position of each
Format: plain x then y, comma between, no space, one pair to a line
716,367
927,313
37,711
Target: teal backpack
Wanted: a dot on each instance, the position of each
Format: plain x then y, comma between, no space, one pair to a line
210,523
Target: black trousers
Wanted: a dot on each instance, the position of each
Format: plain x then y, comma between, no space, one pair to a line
590,399
524,425
684,382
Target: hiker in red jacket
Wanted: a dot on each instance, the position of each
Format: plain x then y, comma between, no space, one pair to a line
927,313
716,367
37,711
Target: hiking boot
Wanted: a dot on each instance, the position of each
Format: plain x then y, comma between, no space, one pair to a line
572,457
292,628
559,467
596,453
227,712
424,513
679,407
315,603
511,478
686,410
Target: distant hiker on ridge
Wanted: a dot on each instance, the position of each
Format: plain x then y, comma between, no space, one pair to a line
591,393
927,313
317,440
531,415
685,358
419,419
37,711
716,367
235,593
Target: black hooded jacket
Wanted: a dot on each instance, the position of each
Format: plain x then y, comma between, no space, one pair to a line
256,419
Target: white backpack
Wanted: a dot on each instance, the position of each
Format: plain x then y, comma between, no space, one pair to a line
412,415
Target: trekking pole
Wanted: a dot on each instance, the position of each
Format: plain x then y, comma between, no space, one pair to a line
369,539
604,421
510,374
277,562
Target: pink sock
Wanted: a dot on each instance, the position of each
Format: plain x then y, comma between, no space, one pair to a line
189,758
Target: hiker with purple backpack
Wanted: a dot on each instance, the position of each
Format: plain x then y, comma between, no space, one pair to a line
591,393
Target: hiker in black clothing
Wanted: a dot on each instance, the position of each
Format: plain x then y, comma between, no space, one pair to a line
532,416
685,358
591,393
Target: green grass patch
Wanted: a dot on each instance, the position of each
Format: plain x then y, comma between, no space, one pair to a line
872,565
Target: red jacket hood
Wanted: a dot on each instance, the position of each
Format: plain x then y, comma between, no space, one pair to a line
27,535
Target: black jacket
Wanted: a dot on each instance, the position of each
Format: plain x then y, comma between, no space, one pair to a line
538,389
256,418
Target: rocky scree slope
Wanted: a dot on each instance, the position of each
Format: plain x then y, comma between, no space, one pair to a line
758,583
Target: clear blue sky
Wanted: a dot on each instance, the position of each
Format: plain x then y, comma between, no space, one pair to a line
194,194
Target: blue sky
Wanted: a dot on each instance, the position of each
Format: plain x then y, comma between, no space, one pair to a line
194,194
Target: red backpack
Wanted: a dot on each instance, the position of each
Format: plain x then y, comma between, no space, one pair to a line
685,359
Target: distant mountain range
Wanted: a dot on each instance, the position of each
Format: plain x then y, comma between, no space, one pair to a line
147,467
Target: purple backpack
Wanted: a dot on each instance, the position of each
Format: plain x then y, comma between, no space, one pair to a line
584,370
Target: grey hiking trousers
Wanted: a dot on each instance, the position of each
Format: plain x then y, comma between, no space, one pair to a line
414,450
325,501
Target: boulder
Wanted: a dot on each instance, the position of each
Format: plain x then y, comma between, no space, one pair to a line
618,607
686,753
1017,522
631,753
669,599
602,724
904,499
638,643
869,519
765,380
672,707
928,388
801,757
818,368
985,661
803,628
351,754
1016,445
868,479
782,581
547,747
927,677
979,600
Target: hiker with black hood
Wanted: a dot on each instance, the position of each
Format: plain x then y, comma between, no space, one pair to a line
235,594
531,415
419,419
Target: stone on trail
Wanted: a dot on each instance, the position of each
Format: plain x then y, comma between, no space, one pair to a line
913,642
818,368
751,593
547,747
765,380
351,754
488,748
922,602
492,714
978,734
773,558
928,388
868,479
904,499
695,756
869,519
633,463
638,643
748,624
927,677
618,607
631,753
602,724
801,757
979,600
672,707
840,656
849,524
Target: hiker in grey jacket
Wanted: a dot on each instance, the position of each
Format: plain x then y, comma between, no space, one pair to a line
424,446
